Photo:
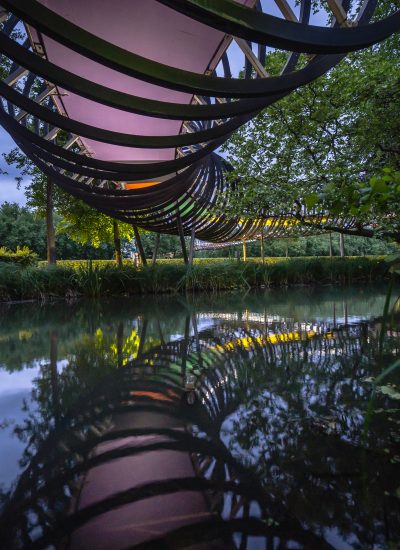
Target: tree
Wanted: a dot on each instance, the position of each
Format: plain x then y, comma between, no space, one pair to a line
327,141
82,224
40,195
85,225
21,226
50,231
169,244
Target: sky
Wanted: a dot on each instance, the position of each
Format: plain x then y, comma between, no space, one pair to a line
8,185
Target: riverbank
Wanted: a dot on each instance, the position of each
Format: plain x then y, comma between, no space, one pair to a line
171,276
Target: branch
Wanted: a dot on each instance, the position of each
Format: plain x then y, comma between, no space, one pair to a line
358,232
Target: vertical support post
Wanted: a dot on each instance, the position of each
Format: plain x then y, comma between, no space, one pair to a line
117,244
262,247
191,248
181,236
185,346
139,244
341,245
244,251
196,335
155,251
51,237
330,245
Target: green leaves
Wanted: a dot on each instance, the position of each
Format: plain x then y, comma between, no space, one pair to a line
311,200
378,185
84,224
326,144
22,256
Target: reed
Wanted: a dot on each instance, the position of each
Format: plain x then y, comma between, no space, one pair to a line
106,279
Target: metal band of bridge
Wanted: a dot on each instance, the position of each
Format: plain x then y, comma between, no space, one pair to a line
130,125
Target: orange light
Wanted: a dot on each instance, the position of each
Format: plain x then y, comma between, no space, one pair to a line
156,396
141,184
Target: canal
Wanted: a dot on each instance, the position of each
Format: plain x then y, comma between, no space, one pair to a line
207,421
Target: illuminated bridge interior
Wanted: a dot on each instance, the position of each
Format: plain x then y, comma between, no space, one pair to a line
124,105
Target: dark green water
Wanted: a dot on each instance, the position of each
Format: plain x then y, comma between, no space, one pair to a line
231,421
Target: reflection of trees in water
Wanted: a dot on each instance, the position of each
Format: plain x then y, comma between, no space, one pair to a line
301,433
24,327
274,439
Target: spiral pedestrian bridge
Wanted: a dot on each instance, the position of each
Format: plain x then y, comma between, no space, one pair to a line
125,104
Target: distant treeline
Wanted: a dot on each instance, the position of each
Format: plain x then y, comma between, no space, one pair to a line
20,226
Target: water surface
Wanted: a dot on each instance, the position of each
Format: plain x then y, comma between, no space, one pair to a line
232,421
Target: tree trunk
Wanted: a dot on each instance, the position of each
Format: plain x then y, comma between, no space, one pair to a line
155,251
139,245
117,244
341,245
51,238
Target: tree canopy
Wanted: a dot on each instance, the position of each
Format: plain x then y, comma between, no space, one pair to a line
21,226
82,223
332,145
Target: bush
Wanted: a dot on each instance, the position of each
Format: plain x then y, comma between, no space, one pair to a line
34,282
22,256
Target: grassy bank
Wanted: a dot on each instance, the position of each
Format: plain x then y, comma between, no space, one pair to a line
205,261
81,278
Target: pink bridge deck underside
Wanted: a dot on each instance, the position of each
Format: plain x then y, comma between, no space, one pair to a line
150,30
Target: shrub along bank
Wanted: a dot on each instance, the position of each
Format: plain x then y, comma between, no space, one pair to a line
18,282
22,256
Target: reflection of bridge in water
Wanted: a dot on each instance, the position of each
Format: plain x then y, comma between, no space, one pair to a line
131,447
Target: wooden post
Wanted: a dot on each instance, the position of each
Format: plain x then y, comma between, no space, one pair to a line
262,247
191,248
155,252
244,251
139,244
181,236
117,244
51,237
